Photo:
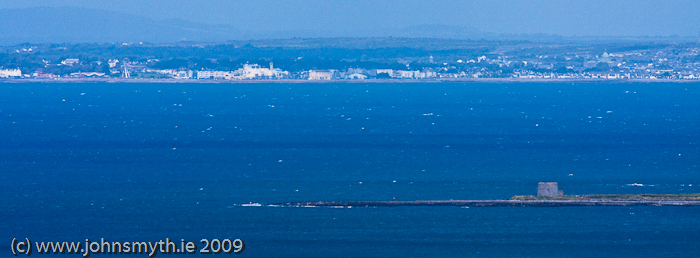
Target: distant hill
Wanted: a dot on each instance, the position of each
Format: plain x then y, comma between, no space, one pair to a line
73,25
82,25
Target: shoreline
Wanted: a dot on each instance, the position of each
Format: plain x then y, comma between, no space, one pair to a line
490,203
369,81
526,201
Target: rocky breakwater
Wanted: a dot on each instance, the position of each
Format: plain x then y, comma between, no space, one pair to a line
497,203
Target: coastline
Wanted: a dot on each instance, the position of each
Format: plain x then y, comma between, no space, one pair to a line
437,80
492,203
525,201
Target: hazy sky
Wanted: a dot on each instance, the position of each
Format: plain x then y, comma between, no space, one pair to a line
564,17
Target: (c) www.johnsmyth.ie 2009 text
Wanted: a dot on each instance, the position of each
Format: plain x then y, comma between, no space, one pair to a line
213,246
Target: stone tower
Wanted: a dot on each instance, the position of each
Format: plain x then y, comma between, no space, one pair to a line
549,189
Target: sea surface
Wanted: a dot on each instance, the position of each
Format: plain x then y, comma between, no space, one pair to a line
145,162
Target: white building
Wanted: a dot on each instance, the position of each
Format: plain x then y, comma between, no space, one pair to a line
426,74
6,73
177,74
113,63
390,72
321,74
249,71
414,74
252,71
226,75
356,76
89,74
183,74
70,61
407,74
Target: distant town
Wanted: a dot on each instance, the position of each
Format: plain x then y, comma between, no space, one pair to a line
353,59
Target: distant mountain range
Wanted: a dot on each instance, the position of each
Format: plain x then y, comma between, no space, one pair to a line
78,25
74,25
82,25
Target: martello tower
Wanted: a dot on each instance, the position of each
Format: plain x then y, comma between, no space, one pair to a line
549,189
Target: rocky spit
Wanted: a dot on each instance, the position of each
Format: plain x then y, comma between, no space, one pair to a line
495,203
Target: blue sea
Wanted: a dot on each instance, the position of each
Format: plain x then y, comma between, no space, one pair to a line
145,162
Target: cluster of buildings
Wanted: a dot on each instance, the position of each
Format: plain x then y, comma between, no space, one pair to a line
247,72
257,72
648,63
10,73
361,74
637,64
